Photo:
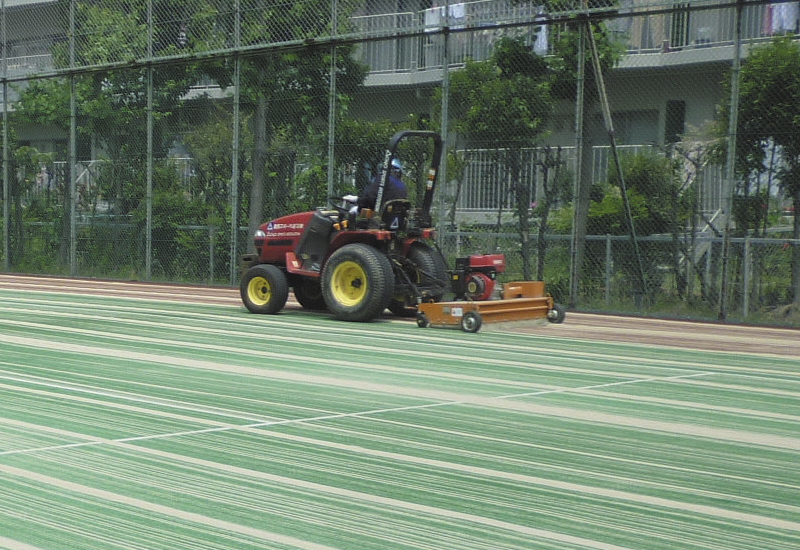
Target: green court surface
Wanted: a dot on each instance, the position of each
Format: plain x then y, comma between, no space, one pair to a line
144,424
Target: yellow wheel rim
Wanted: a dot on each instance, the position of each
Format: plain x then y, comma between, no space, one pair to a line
348,284
258,291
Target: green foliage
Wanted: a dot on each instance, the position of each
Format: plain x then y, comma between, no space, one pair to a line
750,211
172,209
505,104
769,110
563,64
504,101
43,103
287,92
311,189
653,194
209,146
769,121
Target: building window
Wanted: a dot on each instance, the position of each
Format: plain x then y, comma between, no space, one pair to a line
674,122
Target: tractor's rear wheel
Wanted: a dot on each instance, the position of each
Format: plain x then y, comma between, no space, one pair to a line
264,289
429,271
308,293
357,282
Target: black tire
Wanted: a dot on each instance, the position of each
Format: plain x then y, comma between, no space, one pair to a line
308,293
357,282
422,320
557,314
430,270
431,262
264,289
471,321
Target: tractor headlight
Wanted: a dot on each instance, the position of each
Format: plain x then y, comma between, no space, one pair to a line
260,234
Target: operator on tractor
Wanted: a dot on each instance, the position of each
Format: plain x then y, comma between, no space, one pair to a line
394,189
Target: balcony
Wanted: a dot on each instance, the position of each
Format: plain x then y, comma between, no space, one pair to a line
653,33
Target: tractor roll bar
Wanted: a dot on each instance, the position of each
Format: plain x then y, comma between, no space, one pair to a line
433,171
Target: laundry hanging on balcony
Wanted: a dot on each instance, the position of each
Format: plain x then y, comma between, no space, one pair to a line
780,18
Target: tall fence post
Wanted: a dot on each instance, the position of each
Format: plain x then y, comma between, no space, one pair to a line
6,184
579,216
149,198
746,257
6,210
608,270
730,166
332,105
212,239
73,150
445,123
234,194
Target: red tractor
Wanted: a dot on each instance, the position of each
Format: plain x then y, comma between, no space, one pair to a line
355,266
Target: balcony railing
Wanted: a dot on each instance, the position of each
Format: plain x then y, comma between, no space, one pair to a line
642,26
638,25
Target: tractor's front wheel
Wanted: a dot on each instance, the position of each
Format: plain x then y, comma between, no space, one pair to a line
357,282
264,289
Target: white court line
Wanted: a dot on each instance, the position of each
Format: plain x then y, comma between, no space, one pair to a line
681,506
608,385
336,416
442,396
588,357
12,544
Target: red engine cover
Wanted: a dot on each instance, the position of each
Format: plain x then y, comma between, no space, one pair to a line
496,261
280,236
479,286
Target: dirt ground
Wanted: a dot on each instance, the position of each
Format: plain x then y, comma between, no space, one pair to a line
680,334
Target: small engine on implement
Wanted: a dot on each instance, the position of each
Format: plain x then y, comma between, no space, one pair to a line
475,277
480,297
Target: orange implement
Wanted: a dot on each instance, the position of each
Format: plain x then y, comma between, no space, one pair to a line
521,301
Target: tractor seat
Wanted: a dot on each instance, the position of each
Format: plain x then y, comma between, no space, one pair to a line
394,214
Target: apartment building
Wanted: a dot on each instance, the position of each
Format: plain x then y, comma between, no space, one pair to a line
670,78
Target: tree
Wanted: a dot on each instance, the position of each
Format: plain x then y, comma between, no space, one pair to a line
553,187
657,206
112,101
570,47
27,169
769,116
287,91
209,146
504,104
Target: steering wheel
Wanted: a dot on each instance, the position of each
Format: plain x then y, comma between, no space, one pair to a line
344,212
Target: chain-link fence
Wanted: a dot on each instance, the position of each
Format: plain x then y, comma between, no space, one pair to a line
636,155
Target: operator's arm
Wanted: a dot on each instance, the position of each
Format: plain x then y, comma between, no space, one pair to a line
370,194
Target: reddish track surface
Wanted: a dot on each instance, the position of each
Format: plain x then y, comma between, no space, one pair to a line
680,334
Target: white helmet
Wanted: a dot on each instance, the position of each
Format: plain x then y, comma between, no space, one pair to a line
396,166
